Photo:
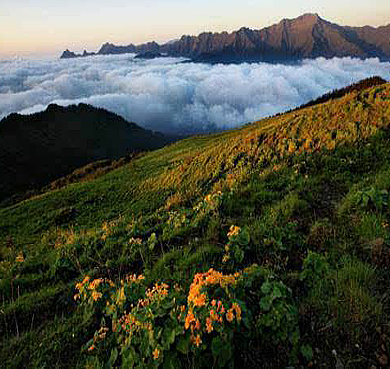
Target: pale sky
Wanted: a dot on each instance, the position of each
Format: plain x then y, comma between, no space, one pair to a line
47,27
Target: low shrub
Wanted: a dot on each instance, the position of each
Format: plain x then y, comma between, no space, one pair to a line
165,324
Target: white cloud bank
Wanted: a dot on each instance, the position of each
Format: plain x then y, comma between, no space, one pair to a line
170,96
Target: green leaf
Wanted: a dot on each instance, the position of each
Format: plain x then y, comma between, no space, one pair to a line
168,304
265,303
183,345
152,241
246,322
267,320
221,350
294,339
168,337
266,287
129,357
307,352
276,293
171,361
112,359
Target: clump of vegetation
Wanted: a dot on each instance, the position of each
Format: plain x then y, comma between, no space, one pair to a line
168,326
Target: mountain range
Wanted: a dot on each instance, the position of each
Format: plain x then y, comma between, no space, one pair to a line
307,36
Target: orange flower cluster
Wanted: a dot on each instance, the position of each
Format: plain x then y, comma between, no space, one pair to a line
197,298
191,322
106,229
234,309
196,340
208,198
20,258
158,292
237,309
99,336
233,231
92,287
135,241
209,325
134,278
96,295
211,200
130,324
216,314
80,285
102,333
156,353
95,283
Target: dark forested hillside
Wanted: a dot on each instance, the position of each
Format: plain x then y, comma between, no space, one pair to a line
38,148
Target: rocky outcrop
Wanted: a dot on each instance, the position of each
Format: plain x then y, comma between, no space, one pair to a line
108,48
68,54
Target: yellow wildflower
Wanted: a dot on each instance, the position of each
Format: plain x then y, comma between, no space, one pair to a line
198,340
197,324
80,285
233,231
214,316
86,279
96,295
237,309
156,353
20,258
135,241
95,283
189,319
200,300
230,315
209,325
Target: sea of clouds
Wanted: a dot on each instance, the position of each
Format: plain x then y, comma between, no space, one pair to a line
170,96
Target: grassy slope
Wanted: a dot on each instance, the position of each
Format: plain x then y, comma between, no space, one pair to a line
293,180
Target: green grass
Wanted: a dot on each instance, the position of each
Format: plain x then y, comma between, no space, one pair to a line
295,182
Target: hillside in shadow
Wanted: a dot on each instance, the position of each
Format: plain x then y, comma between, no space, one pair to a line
39,148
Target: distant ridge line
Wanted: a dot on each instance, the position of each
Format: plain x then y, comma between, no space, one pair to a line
307,36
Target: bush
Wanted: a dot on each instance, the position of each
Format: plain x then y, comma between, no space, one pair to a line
163,325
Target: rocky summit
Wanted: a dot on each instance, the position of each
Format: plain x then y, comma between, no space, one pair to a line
308,36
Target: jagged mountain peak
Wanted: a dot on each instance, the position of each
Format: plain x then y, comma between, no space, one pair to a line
307,36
